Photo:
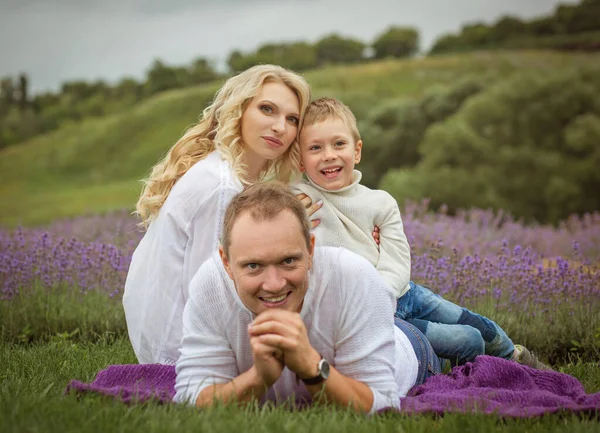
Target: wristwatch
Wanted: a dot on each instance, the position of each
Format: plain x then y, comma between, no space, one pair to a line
323,373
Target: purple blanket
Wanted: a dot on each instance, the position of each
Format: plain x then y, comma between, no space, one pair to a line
489,385
495,385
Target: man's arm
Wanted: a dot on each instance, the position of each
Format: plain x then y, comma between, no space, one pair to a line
207,367
244,388
285,330
343,391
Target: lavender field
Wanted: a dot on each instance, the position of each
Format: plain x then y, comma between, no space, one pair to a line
541,283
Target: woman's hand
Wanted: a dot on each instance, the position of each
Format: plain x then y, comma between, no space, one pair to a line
375,235
311,208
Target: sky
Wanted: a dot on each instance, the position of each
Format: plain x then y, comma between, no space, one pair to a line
54,41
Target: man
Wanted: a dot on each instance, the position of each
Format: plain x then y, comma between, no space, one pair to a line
271,317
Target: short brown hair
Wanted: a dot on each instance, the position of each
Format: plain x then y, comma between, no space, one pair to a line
264,201
323,109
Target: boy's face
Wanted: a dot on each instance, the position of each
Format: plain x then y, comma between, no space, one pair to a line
329,153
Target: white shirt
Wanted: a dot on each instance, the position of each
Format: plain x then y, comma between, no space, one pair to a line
348,312
348,217
185,233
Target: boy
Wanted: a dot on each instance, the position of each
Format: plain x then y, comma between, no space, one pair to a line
330,147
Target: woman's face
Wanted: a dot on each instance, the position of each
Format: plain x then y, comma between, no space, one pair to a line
269,125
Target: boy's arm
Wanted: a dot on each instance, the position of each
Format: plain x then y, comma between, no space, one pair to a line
394,250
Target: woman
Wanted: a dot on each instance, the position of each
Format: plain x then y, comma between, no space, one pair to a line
248,133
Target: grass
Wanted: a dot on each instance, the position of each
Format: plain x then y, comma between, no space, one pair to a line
95,165
33,379
26,207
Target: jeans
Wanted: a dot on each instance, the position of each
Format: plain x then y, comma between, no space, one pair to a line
429,363
455,333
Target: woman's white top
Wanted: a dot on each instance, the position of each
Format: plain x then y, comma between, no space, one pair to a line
348,217
185,233
348,312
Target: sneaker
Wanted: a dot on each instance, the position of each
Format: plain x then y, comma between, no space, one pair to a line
525,357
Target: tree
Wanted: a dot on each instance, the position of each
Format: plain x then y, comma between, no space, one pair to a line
447,43
201,71
335,49
507,27
161,77
127,88
476,34
543,26
578,18
23,92
294,55
397,42
235,61
77,90
7,94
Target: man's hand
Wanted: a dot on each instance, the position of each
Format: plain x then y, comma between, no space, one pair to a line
285,330
268,361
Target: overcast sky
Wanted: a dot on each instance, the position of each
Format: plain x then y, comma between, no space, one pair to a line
60,40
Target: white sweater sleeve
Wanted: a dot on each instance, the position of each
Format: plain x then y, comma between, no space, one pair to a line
206,356
204,230
394,251
365,349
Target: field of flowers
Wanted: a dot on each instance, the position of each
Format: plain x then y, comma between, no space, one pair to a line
61,318
541,283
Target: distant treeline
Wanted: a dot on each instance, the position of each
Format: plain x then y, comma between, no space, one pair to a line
22,116
571,27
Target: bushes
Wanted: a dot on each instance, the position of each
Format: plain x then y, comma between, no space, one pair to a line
528,145
393,131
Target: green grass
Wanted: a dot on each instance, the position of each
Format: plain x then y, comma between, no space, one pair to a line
95,165
33,379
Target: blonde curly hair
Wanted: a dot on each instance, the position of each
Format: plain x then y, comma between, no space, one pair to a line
219,128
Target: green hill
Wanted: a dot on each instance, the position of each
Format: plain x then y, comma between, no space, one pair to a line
95,165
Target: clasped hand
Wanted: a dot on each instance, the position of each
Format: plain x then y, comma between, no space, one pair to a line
278,339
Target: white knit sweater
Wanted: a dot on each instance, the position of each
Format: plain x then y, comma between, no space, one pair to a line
348,217
348,312
184,235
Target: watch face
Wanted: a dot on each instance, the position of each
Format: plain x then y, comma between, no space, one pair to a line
324,368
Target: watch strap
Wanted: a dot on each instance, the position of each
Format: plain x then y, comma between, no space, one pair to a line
319,378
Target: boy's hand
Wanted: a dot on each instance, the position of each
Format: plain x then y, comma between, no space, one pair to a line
376,235
310,208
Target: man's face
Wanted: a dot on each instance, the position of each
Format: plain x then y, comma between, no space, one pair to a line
269,262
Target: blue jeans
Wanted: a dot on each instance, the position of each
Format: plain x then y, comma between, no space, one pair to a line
455,333
429,363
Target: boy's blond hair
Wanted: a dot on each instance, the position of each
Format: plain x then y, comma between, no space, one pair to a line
323,109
